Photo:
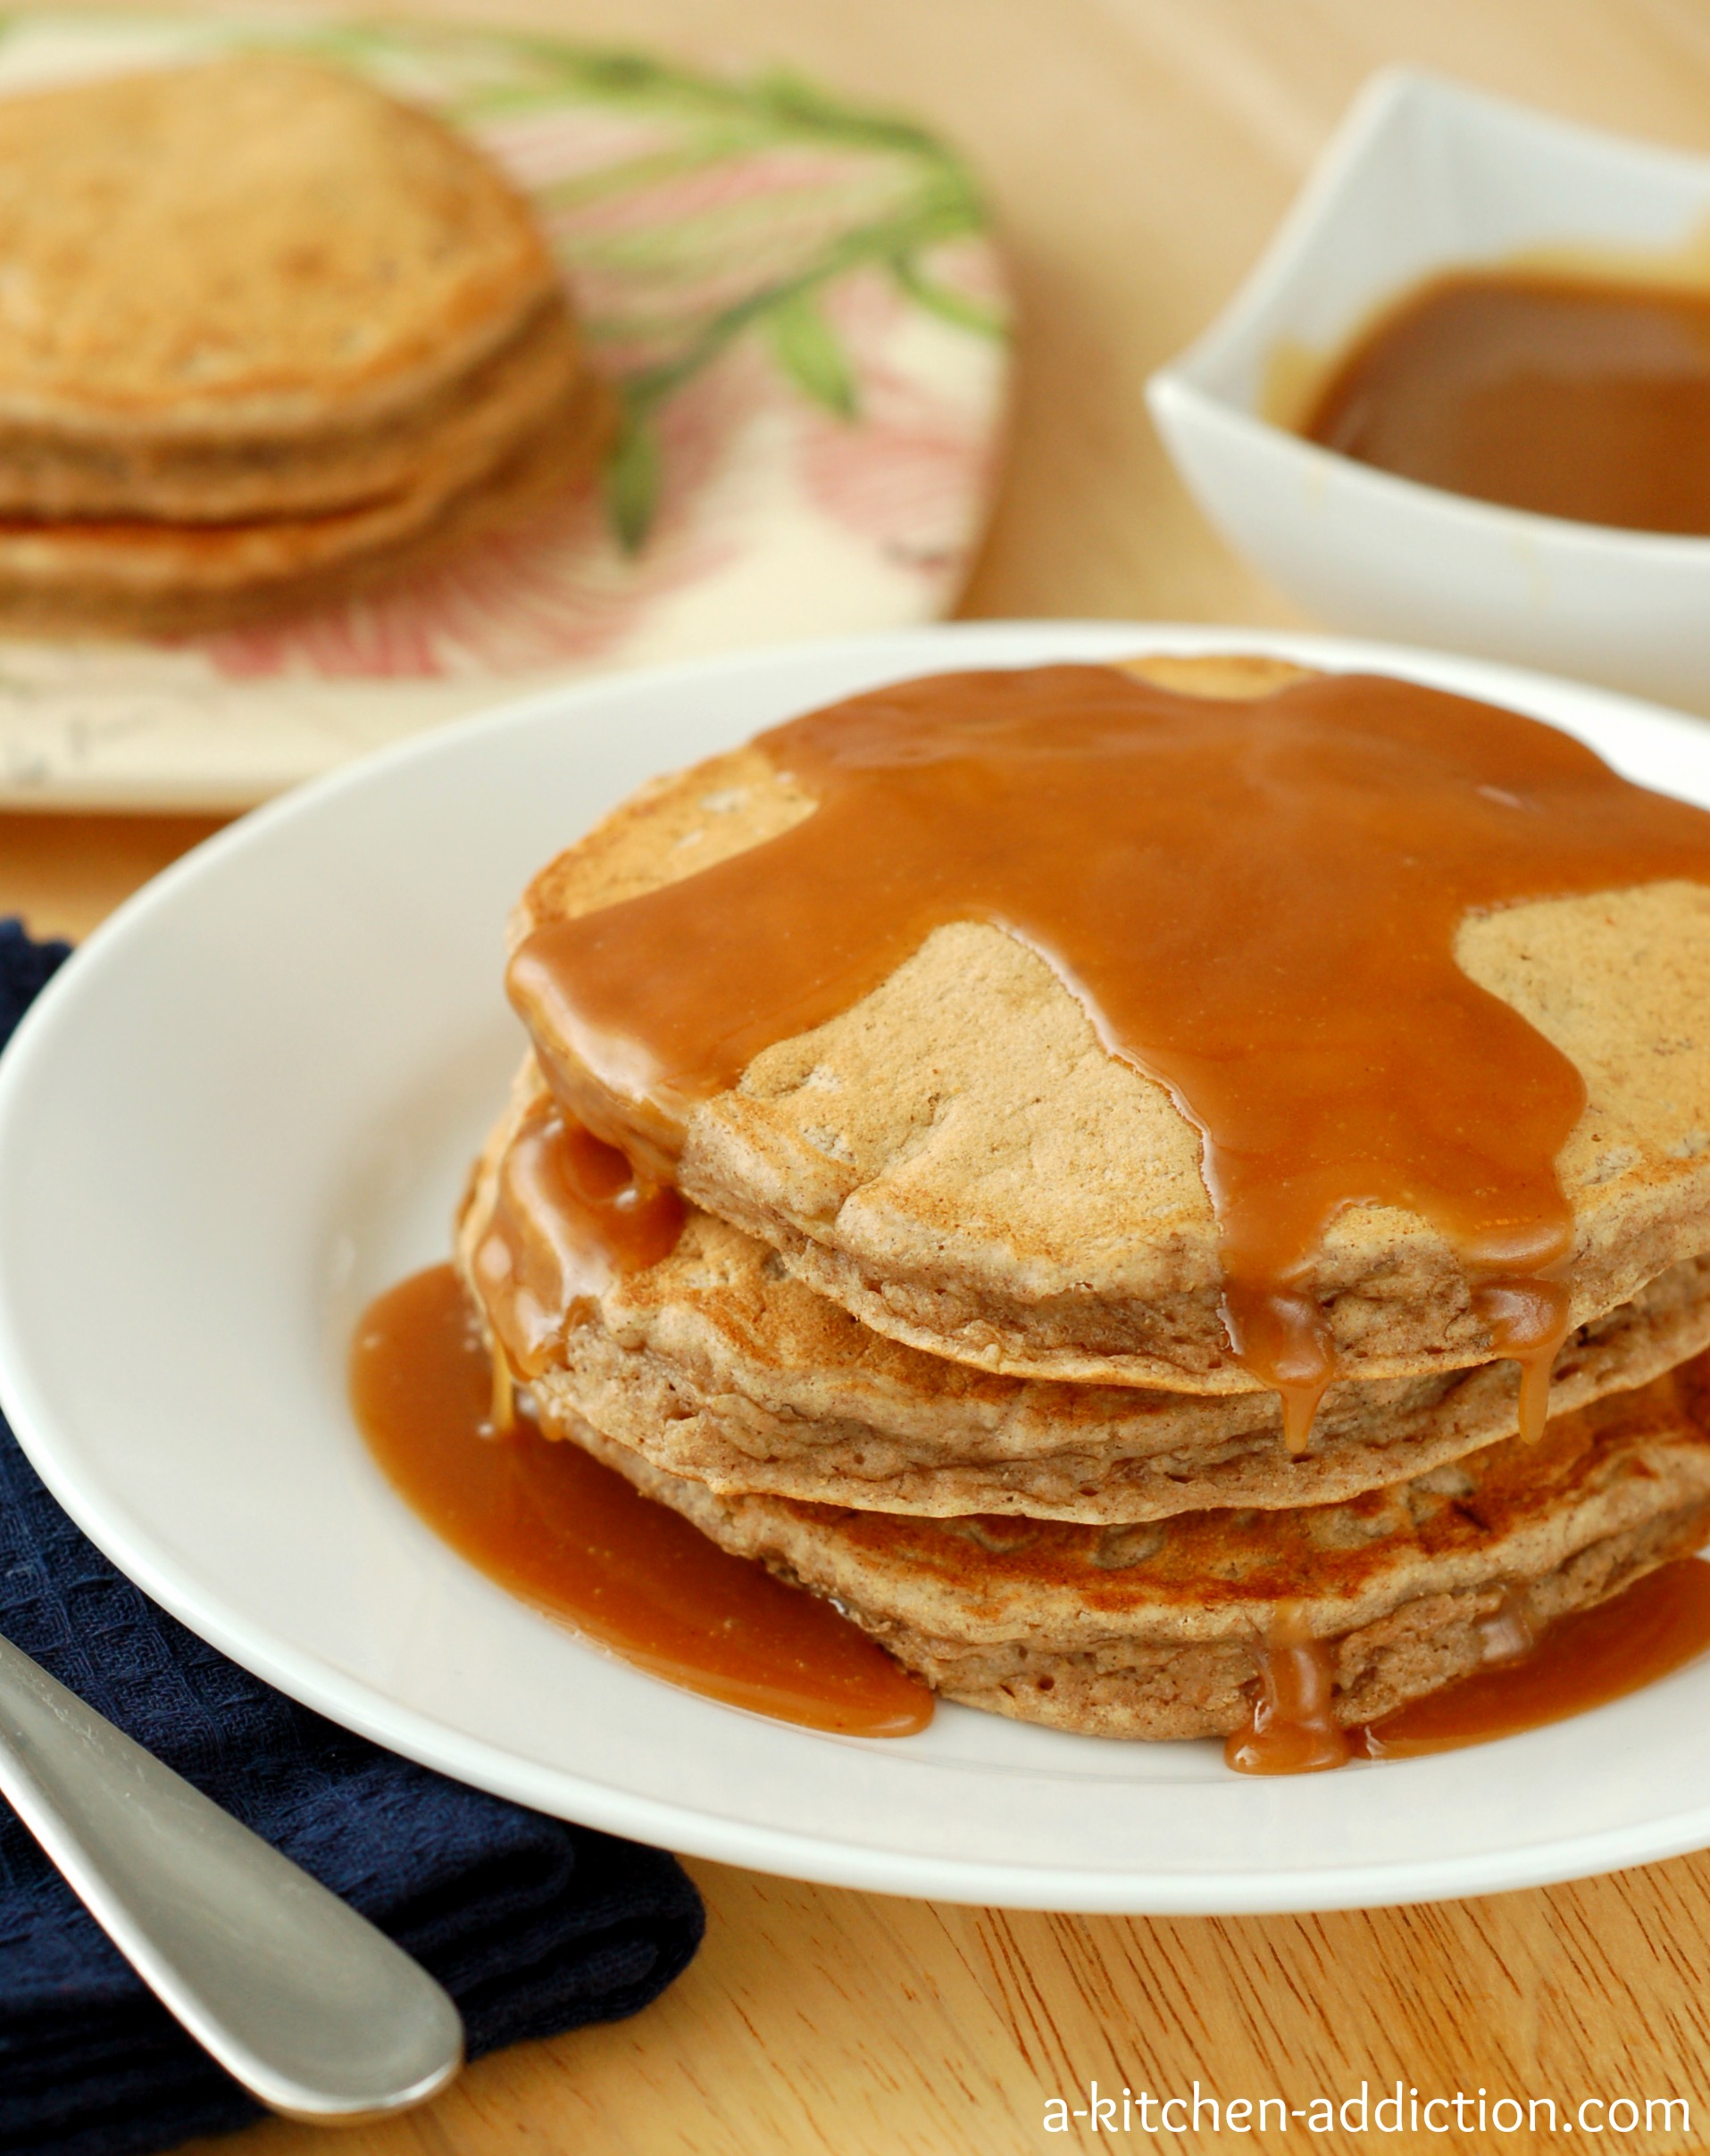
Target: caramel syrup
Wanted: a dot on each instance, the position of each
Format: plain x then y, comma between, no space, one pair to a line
569,1213
572,1538
1257,902
1572,397
1292,1729
1582,1660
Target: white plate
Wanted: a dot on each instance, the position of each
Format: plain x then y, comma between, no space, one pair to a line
246,1104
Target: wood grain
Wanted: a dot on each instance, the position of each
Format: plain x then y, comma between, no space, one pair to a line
62,874
819,2020
1138,153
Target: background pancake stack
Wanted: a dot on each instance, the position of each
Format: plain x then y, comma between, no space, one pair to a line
266,335
941,1336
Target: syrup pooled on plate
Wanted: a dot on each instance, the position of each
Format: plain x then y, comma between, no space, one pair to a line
1571,397
1582,1660
572,1537
1257,902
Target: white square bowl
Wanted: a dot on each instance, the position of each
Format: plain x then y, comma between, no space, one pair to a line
1422,176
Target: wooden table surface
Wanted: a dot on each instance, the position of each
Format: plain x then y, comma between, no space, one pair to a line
1138,153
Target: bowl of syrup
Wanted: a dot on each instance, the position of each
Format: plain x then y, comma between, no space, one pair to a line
1465,397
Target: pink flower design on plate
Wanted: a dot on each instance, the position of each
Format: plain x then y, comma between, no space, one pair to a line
676,244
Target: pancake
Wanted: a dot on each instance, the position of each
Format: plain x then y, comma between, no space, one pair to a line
147,579
465,429
1152,1631
253,248
959,1162
715,1364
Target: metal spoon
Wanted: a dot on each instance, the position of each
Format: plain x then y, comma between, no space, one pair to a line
301,2000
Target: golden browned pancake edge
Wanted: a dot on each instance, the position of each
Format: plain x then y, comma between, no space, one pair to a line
465,427
178,579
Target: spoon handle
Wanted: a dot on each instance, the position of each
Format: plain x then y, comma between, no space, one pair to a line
317,2014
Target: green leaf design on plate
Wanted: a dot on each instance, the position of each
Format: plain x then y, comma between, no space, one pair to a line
869,191
947,305
632,476
810,350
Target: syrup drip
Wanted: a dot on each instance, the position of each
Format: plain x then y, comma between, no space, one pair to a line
1510,1634
1566,396
1530,1677
1292,1729
1528,1322
572,1537
569,1215
1255,902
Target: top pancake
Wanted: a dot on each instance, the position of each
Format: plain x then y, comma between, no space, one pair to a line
960,1162
257,245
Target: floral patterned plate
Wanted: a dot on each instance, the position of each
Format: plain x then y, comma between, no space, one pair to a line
806,319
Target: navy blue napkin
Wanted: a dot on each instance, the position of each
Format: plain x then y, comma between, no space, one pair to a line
532,1925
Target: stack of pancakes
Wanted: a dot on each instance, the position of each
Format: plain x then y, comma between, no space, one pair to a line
942,1338
266,335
